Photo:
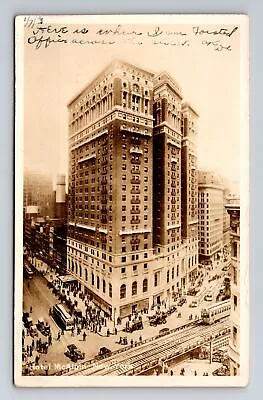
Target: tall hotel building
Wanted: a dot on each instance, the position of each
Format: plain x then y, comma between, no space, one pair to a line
132,206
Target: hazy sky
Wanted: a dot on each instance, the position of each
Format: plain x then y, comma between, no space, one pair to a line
209,80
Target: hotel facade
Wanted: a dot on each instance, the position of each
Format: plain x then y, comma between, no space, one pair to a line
133,190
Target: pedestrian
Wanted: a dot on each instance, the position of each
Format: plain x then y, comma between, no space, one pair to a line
33,344
50,340
140,338
84,336
59,335
171,372
72,331
195,373
108,332
62,332
46,369
115,330
31,309
131,342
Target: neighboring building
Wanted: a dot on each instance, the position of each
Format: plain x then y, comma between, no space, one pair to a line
61,198
211,216
226,221
47,236
38,191
131,240
233,208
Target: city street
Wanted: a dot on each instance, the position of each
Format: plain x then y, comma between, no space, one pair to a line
38,296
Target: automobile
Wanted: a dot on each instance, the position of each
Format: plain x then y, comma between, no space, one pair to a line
103,353
33,331
27,320
181,302
164,331
171,310
191,292
74,353
225,268
193,304
157,320
222,371
208,297
43,327
135,326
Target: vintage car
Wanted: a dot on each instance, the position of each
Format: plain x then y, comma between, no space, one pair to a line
33,331
163,332
43,327
171,310
181,302
74,353
158,319
103,353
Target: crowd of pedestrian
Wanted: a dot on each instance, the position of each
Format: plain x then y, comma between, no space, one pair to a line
32,351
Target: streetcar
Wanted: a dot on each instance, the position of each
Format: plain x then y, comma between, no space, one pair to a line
215,312
62,317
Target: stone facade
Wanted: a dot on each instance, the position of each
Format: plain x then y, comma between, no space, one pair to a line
125,244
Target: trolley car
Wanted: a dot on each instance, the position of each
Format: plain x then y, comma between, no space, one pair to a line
215,312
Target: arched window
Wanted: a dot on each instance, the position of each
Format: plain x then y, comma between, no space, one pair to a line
80,271
110,290
134,288
72,266
135,88
145,285
92,278
98,282
104,286
86,274
123,291
76,265
173,273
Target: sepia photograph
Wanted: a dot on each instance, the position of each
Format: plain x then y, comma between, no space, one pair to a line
131,200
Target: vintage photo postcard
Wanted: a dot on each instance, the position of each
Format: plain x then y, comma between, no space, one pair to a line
131,200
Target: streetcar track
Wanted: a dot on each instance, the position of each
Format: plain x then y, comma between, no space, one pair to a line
135,358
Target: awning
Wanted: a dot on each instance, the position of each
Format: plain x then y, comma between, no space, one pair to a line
67,278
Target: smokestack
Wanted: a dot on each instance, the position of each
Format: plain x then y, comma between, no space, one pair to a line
61,196
61,189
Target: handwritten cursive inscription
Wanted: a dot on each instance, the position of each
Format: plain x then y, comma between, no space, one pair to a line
222,31
42,35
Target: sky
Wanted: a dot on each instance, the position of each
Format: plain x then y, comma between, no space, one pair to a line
210,81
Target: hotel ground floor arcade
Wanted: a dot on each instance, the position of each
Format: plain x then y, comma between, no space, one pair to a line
123,290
